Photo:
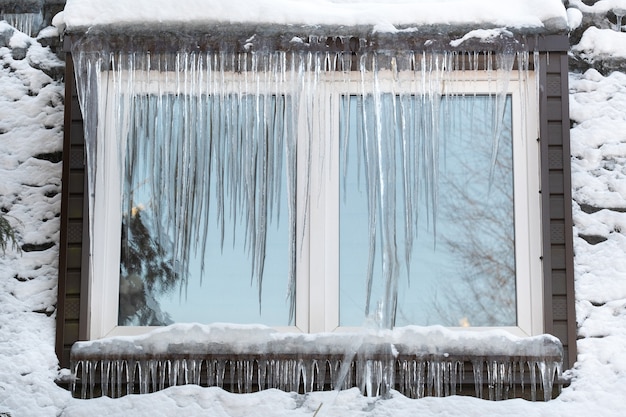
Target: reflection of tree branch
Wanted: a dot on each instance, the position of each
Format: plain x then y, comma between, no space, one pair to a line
482,290
146,270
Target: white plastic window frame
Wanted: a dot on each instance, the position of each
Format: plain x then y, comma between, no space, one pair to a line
317,269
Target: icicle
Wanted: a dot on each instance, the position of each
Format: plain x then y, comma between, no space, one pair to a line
418,378
105,370
548,370
446,368
28,23
235,375
492,379
83,379
211,373
533,380
161,370
320,380
173,372
143,378
74,367
477,366
220,372
119,369
262,368
618,19
504,68
248,376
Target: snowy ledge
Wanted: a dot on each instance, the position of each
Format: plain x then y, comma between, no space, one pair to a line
391,16
228,339
415,361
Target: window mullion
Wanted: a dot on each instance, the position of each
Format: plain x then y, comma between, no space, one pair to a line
319,141
332,181
303,228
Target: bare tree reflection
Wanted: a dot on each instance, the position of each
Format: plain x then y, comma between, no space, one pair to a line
480,288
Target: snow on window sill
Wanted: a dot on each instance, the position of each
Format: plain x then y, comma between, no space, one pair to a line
416,361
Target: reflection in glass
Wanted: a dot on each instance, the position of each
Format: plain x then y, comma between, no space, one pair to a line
168,136
454,233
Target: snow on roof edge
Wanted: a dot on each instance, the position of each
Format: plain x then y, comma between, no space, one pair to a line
529,16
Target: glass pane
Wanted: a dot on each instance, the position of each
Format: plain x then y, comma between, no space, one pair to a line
452,195
181,170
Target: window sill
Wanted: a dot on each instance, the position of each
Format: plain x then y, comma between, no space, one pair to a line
416,361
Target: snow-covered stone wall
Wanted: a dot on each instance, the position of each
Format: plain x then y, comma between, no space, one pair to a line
31,133
597,31
598,137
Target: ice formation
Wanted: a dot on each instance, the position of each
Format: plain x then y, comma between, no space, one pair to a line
244,150
28,23
416,361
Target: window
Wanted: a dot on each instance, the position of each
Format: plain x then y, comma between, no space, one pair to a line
322,176
466,247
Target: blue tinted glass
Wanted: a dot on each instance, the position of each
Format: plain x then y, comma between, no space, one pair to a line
453,195
171,136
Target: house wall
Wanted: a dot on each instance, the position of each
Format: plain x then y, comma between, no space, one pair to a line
556,197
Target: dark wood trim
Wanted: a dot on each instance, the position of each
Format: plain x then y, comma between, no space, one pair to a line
545,199
569,221
83,325
73,226
550,43
557,234
63,239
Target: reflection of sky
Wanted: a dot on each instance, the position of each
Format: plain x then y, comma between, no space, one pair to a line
226,291
434,269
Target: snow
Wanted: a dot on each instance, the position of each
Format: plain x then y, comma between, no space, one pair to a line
574,18
485,35
600,44
417,340
31,109
537,14
601,7
31,120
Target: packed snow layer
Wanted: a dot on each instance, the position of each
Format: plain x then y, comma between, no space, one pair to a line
520,14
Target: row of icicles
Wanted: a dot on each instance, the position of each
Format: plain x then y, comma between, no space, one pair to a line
254,184
489,379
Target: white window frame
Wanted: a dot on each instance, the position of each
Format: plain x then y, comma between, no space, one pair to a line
317,300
